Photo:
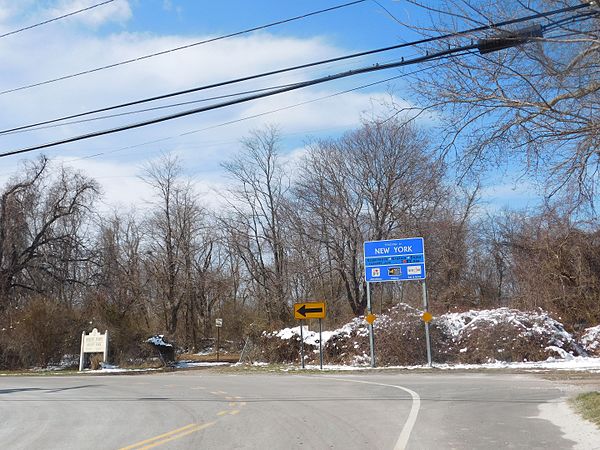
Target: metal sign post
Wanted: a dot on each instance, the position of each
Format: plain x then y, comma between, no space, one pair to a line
427,340
218,324
371,330
321,343
301,345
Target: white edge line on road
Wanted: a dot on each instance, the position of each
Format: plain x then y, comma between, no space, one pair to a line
402,441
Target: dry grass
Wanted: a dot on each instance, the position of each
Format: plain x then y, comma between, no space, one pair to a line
588,405
211,357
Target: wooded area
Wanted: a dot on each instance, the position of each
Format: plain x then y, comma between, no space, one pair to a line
288,231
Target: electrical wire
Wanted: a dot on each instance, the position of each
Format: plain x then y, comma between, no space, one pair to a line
254,116
31,128
444,53
183,47
301,66
301,85
56,18
576,18
139,111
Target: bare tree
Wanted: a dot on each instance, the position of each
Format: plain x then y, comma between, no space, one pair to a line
122,280
172,229
254,224
555,264
377,182
535,106
42,216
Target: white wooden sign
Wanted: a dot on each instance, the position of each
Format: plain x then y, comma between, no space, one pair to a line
218,323
95,342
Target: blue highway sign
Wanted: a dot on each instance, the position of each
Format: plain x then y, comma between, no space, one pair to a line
395,260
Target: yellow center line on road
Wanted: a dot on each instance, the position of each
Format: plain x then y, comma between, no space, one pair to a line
178,436
160,436
183,431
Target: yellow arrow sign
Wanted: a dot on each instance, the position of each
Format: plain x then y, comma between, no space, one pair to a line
311,310
370,318
426,317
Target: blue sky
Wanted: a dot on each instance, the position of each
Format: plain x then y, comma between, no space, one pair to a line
127,29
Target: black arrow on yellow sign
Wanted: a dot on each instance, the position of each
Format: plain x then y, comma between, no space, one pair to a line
309,310
303,310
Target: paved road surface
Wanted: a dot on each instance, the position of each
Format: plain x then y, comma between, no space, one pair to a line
196,409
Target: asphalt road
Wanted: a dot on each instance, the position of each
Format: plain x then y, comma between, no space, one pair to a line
196,409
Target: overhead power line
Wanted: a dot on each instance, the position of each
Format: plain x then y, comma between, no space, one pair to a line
301,66
182,47
374,68
504,40
55,18
261,114
26,129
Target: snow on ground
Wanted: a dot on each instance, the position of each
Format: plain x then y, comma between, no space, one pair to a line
529,323
110,368
310,337
501,337
591,340
188,364
577,363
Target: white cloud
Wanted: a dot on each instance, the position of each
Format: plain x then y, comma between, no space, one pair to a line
72,48
509,193
119,11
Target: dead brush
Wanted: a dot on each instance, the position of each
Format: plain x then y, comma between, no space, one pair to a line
96,360
276,350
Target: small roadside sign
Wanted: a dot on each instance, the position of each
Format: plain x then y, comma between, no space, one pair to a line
218,323
309,310
426,317
370,318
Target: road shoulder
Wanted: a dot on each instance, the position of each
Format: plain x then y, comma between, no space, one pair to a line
573,427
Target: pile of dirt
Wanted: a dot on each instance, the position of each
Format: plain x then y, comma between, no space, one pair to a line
474,337
507,335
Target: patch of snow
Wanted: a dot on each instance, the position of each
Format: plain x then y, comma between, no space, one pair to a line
576,363
561,353
206,351
591,338
188,364
310,337
527,321
110,368
159,340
